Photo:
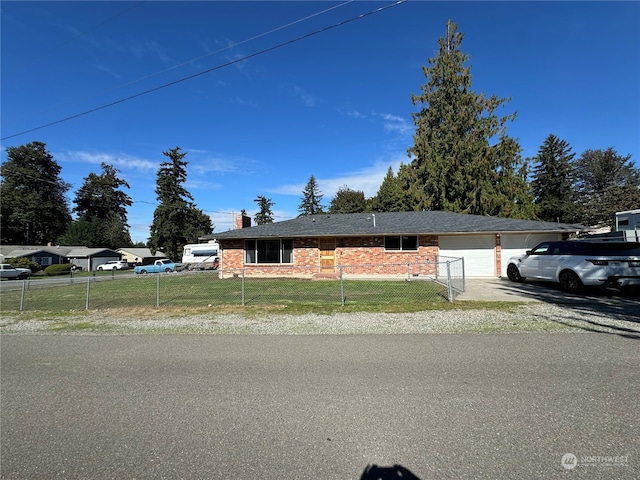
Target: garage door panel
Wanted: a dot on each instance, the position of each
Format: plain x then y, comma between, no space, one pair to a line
516,244
478,252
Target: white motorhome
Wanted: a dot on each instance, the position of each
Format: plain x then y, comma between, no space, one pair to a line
628,225
201,256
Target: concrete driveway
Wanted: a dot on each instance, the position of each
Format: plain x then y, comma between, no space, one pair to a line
504,290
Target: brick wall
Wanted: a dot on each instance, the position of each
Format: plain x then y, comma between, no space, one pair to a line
358,255
242,221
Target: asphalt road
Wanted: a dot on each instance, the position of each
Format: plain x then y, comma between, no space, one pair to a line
305,407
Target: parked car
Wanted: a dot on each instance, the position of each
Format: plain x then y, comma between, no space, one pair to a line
575,263
161,265
114,265
11,273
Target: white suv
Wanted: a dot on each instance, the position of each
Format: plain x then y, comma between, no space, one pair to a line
574,263
114,265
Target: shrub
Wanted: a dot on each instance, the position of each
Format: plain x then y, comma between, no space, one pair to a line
58,269
22,262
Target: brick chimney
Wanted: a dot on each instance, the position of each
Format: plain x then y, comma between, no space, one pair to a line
242,221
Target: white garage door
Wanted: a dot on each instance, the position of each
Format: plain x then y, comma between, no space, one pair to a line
518,243
478,251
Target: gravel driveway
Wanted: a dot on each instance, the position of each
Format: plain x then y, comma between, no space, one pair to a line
530,307
532,317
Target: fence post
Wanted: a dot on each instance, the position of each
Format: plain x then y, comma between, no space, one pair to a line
86,302
341,289
157,290
408,271
464,281
24,284
243,287
449,286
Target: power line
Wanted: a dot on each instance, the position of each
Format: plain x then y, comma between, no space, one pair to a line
204,72
229,47
242,42
81,34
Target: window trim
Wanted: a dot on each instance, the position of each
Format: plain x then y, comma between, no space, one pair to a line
283,251
401,242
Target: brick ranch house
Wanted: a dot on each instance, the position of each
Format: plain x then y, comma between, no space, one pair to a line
366,241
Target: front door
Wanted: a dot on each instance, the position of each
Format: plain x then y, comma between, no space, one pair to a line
327,254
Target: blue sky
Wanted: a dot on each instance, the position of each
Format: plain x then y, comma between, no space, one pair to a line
335,104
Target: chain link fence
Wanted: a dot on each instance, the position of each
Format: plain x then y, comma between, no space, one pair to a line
437,280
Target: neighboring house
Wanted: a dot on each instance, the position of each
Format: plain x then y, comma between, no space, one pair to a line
362,240
83,257
142,256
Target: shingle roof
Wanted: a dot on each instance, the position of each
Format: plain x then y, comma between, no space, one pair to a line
395,223
9,251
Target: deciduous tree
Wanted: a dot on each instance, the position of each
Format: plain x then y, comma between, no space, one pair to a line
34,209
462,158
348,201
176,220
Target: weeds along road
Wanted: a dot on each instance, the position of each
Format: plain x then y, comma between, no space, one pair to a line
319,406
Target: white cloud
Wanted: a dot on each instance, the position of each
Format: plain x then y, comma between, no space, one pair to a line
390,123
108,70
202,162
119,160
202,185
307,99
394,123
355,114
244,103
224,221
146,47
367,180
289,189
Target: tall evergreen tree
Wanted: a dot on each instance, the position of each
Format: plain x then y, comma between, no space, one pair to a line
85,232
265,214
101,199
176,219
604,182
310,204
34,208
552,183
390,196
463,159
348,201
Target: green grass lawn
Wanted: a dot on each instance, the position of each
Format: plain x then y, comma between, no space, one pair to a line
202,290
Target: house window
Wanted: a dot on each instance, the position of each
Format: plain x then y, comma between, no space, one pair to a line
401,242
43,261
268,251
